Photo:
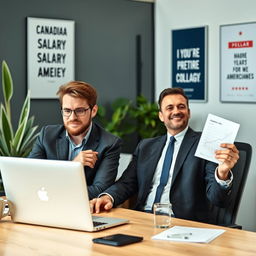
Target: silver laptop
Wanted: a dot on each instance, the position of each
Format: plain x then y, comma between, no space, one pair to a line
50,193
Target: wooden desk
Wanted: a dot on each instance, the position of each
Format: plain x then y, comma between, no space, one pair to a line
21,239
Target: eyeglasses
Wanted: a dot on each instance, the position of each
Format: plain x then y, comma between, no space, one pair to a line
67,112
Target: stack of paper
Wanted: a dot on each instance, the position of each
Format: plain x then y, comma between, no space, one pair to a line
216,130
188,234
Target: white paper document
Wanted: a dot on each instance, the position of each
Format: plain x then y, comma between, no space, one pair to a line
216,130
188,234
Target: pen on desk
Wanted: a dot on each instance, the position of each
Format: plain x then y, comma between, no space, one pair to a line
180,235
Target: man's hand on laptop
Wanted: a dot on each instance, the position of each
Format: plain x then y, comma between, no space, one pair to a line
87,158
102,203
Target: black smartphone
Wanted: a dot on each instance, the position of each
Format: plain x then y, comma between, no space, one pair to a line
117,239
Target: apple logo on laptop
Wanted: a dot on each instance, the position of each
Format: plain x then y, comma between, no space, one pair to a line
42,194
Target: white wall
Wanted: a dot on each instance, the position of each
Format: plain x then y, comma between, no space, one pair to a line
175,14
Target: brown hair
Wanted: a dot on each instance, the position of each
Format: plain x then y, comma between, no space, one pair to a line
171,91
78,89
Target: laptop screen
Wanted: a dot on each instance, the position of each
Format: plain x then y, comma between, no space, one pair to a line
47,192
50,193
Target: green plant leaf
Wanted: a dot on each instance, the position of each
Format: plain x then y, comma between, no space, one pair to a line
120,102
101,111
153,123
29,130
25,110
21,143
29,139
6,127
29,125
7,86
13,151
17,140
4,150
25,153
117,115
22,126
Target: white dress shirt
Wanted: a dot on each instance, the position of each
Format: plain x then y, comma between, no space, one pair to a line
156,179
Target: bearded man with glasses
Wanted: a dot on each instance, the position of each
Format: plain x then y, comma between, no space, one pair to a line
80,139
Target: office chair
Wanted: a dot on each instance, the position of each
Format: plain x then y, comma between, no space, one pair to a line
227,216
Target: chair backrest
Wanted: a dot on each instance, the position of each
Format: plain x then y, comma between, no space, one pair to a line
227,216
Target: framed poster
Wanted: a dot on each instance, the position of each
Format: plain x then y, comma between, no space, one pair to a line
189,62
50,55
238,63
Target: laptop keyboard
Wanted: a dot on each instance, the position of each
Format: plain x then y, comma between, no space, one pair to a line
98,223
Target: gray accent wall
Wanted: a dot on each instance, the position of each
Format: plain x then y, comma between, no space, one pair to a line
105,48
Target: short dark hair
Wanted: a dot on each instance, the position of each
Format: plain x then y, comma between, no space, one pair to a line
78,89
171,91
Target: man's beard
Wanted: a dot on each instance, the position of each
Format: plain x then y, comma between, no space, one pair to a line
79,131
172,126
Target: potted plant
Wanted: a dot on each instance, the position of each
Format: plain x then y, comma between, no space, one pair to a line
120,123
146,115
14,143
128,118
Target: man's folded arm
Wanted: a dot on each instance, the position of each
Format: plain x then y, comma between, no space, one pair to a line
107,170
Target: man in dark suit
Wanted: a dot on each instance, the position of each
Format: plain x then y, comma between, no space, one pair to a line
79,139
192,183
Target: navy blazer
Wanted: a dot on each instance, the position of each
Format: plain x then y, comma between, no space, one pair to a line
53,144
193,185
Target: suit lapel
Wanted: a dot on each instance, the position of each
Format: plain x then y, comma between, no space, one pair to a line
153,159
187,143
62,144
62,147
93,140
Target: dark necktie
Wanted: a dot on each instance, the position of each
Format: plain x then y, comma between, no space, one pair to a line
165,171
